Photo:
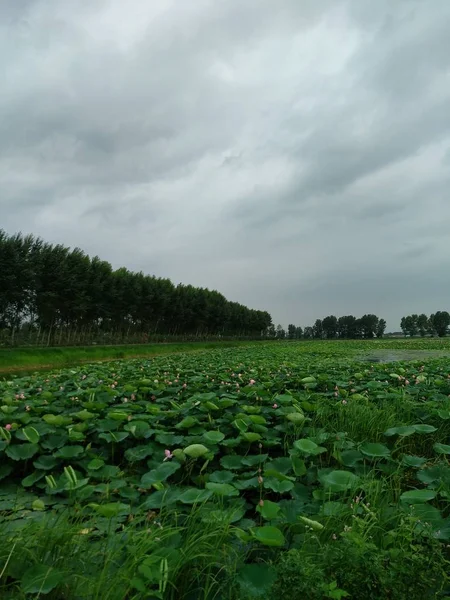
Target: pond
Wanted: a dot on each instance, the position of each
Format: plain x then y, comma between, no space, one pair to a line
387,356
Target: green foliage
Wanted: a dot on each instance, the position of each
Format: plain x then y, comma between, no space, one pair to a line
191,473
50,294
408,567
435,324
152,558
299,576
347,327
255,580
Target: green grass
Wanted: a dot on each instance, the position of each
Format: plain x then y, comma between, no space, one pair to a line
120,564
27,359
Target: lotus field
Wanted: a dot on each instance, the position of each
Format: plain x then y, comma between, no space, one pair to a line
276,470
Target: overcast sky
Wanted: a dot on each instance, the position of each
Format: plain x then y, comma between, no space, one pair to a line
293,154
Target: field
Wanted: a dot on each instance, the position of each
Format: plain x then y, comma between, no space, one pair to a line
297,470
19,360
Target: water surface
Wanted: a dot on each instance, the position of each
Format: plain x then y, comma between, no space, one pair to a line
387,356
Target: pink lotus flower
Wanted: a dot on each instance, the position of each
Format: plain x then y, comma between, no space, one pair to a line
8,427
261,502
260,480
252,382
168,455
275,406
344,401
185,385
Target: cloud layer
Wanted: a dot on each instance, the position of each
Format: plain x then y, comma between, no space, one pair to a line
293,155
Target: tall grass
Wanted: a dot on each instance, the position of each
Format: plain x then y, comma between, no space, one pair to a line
175,557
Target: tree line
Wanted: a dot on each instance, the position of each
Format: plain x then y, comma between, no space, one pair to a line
51,294
331,327
435,324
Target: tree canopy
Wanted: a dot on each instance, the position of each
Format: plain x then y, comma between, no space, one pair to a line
59,291
436,324
332,327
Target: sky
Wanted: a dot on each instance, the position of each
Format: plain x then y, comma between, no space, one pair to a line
294,155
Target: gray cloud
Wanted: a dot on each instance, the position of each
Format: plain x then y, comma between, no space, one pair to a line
292,155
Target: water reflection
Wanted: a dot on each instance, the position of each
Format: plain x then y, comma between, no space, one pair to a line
387,356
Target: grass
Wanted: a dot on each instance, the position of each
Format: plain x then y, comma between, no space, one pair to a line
261,471
24,360
123,564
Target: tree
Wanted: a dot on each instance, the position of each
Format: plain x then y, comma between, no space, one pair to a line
318,329
330,327
441,322
271,333
308,333
369,324
409,325
403,326
64,294
17,290
422,324
381,327
430,326
281,333
291,331
347,327
359,330
298,333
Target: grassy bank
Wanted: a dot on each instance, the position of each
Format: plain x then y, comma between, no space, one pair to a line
27,359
